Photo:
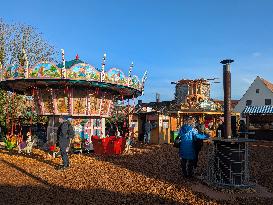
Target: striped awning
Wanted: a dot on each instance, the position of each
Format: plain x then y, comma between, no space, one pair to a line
266,109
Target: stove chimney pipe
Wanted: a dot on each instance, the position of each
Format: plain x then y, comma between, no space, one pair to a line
227,97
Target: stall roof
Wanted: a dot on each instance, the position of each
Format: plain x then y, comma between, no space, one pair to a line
202,112
198,112
266,109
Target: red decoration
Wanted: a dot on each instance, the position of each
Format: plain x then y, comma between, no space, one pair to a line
77,57
52,148
109,145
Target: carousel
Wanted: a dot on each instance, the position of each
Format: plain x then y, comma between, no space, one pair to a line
74,89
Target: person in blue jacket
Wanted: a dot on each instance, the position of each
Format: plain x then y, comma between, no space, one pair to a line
188,134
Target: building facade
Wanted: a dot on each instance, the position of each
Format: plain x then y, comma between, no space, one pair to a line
259,93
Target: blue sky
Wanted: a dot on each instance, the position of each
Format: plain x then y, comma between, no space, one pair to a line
172,39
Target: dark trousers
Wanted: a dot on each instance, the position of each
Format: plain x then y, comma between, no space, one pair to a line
147,137
65,157
187,167
196,159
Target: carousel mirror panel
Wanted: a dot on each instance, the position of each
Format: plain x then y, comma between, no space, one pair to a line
79,103
74,102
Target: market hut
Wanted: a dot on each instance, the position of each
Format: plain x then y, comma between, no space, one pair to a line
192,98
209,118
259,119
160,133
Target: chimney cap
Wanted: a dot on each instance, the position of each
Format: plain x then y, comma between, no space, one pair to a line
227,61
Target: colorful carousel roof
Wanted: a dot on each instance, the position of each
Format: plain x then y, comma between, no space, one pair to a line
74,74
69,64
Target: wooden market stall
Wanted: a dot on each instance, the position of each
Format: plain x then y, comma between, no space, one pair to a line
259,119
160,133
167,123
209,118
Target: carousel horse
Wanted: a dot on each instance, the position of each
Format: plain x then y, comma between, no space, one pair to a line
27,145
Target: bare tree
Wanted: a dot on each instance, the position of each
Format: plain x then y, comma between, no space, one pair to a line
14,38
5,38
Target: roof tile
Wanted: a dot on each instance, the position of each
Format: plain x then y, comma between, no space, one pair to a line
268,84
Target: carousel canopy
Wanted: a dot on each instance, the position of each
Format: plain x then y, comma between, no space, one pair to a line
71,88
69,64
76,74
266,109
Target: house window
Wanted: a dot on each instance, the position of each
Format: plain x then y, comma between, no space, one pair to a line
257,90
267,101
248,102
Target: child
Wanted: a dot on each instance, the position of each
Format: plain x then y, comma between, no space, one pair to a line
21,144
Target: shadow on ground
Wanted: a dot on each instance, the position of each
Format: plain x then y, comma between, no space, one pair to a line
48,193
59,195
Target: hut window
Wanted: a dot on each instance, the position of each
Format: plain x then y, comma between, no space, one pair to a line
257,90
267,101
248,102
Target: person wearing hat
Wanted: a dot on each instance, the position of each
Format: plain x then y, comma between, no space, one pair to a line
64,134
187,152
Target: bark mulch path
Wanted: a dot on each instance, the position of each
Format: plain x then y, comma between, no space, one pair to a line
146,175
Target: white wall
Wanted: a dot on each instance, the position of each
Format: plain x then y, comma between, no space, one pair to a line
258,99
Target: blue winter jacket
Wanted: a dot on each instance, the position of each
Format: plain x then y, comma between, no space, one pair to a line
187,135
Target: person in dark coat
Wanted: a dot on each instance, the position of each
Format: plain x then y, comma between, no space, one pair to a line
187,150
220,129
65,133
147,132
